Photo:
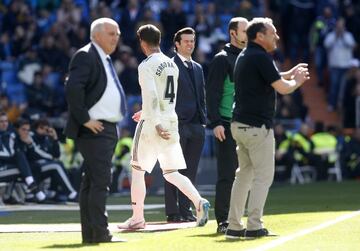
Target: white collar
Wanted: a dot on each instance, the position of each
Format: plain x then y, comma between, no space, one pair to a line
183,58
101,52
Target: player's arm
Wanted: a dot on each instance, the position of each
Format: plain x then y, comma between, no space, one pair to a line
148,86
152,102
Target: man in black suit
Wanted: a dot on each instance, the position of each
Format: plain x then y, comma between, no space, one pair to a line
96,104
190,108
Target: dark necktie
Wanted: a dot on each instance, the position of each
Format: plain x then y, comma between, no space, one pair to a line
191,71
119,87
189,65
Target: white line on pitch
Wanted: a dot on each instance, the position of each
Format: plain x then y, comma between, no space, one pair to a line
70,207
284,239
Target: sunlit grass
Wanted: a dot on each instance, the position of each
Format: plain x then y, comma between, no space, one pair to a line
289,209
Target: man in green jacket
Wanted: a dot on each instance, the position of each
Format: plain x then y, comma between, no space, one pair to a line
219,102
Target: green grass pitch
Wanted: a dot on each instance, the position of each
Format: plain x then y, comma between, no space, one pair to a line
290,210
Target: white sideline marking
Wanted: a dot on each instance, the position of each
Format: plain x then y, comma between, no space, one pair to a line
76,227
284,239
73,207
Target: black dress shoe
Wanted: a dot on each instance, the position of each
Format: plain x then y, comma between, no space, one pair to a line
189,218
87,236
174,218
257,233
234,234
221,229
87,241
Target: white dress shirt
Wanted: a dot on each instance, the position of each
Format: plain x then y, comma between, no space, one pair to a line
108,106
183,59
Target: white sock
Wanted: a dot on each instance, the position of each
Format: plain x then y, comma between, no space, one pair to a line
29,180
72,195
138,192
185,186
40,195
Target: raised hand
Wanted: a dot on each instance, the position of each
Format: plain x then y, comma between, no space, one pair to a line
301,74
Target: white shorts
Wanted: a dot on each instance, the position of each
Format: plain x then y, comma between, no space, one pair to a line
148,147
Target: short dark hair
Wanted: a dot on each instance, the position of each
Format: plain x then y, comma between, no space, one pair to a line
40,122
150,34
234,23
257,24
20,122
186,30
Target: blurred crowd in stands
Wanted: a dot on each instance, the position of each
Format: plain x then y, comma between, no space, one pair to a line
38,37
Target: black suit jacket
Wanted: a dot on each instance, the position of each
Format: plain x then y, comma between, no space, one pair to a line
189,99
84,86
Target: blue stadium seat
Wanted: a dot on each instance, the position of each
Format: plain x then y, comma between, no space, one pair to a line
16,92
8,73
10,84
85,12
225,18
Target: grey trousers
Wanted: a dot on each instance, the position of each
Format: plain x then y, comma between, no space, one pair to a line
255,150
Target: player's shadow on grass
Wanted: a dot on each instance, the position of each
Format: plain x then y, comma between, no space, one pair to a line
74,245
212,235
222,240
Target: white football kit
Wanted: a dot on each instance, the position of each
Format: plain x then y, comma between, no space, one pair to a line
158,78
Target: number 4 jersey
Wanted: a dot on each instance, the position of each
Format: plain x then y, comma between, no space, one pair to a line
158,78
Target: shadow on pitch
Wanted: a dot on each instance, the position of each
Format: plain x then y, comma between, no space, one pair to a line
212,235
74,245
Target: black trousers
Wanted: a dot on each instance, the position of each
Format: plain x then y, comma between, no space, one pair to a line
192,138
55,170
9,172
227,164
14,167
97,151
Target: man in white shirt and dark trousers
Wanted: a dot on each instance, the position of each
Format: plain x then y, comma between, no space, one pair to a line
96,104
